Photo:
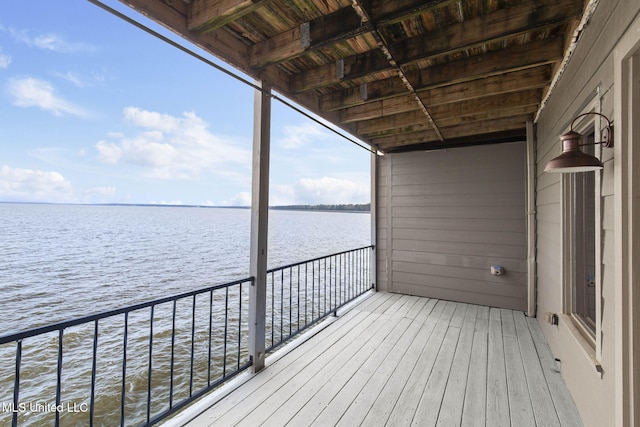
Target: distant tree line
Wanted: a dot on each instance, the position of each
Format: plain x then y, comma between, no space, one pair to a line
351,207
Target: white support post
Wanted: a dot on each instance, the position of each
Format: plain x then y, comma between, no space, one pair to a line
259,224
531,220
373,262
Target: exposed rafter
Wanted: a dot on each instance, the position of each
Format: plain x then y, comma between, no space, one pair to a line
366,21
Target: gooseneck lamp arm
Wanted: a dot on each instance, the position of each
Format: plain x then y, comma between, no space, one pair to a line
572,158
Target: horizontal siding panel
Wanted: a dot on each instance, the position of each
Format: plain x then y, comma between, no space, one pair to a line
461,285
461,189
455,236
453,272
480,249
549,231
515,200
467,212
456,260
549,195
468,297
506,225
550,213
461,156
456,174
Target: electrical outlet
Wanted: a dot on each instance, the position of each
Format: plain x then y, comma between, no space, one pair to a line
497,270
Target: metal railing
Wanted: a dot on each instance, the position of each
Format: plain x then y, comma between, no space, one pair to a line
142,363
302,294
139,364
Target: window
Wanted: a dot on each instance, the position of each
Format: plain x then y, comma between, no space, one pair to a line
581,198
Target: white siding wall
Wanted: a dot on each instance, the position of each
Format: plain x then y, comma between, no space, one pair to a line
591,68
447,216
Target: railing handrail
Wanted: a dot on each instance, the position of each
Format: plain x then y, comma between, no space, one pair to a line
282,267
16,336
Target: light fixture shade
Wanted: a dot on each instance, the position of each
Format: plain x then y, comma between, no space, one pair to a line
572,159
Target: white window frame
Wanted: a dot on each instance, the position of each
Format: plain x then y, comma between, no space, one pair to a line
591,340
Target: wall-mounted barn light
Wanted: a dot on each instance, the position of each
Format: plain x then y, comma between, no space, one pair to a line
572,159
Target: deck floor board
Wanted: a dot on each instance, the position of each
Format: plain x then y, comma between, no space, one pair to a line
397,360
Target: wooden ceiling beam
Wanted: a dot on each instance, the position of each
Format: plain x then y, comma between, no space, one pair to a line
208,15
488,126
477,130
494,102
532,78
514,135
493,27
340,25
513,58
457,121
354,67
456,109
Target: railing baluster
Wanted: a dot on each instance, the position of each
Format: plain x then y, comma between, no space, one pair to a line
324,285
124,369
306,287
273,309
313,288
150,366
16,384
332,304
240,327
290,301
224,358
226,332
59,375
298,328
94,363
173,347
193,342
281,304
336,279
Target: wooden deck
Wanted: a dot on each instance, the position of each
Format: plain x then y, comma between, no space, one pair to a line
399,360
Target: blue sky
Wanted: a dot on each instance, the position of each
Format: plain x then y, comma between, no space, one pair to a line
94,110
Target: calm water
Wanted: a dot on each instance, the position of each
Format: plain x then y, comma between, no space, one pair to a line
58,262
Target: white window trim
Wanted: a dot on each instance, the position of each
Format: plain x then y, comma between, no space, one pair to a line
591,342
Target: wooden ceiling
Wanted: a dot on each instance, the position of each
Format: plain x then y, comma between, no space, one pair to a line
400,75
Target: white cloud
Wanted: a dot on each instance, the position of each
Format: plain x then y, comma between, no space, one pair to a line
296,136
241,199
31,92
82,81
5,60
325,190
34,185
108,152
153,120
52,42
170,147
